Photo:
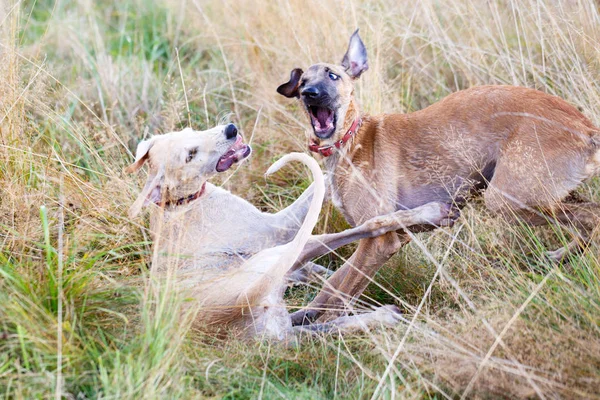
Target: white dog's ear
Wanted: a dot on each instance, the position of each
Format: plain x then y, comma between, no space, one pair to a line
355,59
141,155
151,193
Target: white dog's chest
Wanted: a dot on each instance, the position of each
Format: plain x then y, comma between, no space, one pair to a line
218,230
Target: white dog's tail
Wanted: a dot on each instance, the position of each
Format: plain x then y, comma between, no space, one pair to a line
270,266
264,272
317,201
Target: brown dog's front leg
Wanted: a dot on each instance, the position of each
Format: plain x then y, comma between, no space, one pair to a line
348,282
312,311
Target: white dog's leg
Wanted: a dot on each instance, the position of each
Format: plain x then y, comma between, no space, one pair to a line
436,214
308,273
388,316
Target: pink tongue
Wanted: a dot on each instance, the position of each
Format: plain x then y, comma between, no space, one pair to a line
224,164
323,116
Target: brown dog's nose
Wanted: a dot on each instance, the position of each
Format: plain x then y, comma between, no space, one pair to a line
310,91
230,131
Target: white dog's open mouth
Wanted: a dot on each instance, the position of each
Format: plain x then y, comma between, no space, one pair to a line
237,152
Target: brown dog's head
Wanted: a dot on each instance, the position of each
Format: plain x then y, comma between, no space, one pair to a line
326,91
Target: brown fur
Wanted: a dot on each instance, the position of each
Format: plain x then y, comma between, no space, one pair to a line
529,149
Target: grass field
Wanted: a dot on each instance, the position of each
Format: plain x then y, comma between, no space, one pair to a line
81,82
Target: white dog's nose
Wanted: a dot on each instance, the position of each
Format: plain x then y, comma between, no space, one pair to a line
230,131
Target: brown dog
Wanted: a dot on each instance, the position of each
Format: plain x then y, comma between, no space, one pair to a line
529,149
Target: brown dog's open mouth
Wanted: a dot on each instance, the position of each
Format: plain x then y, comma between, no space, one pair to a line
237,152
323,120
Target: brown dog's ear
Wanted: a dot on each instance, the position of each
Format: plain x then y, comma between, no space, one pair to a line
290,88
355,59
141,155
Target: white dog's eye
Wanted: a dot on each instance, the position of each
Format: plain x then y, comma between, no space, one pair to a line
333,76
191,154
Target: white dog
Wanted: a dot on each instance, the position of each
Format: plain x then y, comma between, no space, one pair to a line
232,257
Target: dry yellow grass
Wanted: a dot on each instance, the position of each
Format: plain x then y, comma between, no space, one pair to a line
82,81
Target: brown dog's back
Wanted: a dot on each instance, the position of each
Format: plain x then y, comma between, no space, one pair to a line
533,149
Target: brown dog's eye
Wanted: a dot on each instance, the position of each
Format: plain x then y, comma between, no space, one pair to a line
191,154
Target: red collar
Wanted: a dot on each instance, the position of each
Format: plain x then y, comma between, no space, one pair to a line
326,151
185,200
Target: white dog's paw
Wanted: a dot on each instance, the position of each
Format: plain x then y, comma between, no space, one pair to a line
438,214
388,315
309,273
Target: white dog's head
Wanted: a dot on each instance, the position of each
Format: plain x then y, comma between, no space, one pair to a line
181,163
